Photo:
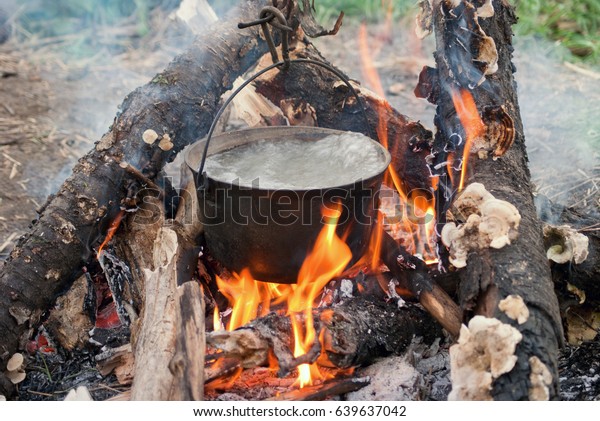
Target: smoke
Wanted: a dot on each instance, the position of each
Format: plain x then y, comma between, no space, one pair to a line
91,54
559,103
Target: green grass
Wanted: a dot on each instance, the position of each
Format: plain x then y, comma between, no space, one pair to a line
574,23
367,10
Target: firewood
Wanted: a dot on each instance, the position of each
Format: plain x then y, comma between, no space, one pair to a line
583,275
188,363
481,65
45,260
413,275
169,345
155,342
325,390
355,333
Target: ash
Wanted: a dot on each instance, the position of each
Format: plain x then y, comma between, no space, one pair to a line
579,372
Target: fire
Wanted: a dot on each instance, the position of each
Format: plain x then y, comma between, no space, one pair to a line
112,229
411,205
250,298
469,118
216,319
328,259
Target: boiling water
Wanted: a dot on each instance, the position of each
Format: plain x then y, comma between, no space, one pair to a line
334,160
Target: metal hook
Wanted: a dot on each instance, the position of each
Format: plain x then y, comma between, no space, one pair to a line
270,15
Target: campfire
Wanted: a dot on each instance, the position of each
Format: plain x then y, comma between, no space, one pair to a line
426,246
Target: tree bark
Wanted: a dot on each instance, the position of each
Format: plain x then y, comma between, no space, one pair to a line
520,268
179,105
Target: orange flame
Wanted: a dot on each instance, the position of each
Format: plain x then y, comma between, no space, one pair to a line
216,319
328,258
250,298
112,229
423,211
469,118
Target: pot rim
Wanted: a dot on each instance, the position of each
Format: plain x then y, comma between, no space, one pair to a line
232,139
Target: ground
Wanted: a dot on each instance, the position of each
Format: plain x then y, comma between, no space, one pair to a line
52,109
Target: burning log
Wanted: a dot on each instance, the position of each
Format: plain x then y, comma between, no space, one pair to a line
354,333
474,77
324,391
46,260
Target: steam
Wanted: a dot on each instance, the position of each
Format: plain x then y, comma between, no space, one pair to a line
562,130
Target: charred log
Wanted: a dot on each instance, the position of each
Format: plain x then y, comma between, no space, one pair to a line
355,333
584,274
473,54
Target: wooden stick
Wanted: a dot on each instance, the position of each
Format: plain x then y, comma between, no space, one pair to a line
324,391
412,274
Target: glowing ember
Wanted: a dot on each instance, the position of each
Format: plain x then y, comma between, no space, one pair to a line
472,124
112,229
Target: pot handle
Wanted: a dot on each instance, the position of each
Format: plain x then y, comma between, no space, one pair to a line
201,176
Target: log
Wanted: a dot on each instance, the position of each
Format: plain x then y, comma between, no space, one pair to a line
179,105
154,342
466,62
169,344
583,275
325,390
187,366
355,333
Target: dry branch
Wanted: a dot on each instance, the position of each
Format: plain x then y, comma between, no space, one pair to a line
324,391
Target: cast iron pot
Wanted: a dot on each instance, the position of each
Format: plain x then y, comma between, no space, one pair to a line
270,232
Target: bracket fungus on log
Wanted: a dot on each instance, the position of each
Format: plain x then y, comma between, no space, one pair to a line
564,244
489,222
515,308
485,350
